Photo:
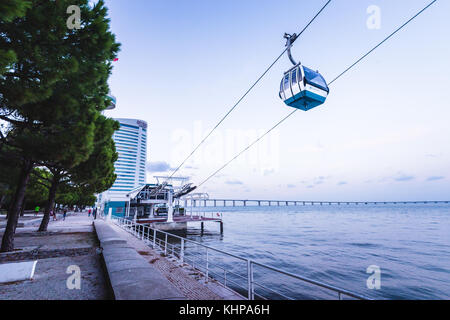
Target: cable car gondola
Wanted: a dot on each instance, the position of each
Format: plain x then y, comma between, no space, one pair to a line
302,87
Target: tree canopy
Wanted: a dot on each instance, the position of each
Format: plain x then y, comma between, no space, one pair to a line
52,94
10,9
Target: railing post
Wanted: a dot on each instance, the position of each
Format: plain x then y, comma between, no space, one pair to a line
182,251
339,295
154,238
225,278
207,265
251,294
165,246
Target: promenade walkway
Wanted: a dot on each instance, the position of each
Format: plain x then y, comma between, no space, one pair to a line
185,279
74,242
66,243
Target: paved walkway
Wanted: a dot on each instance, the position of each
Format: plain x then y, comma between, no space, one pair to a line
74,242
189,281
66,243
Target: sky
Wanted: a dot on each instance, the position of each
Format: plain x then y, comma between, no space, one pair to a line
383,133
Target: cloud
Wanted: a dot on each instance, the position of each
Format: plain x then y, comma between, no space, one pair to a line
401,177
320,180
291,186
435,178
341,183
159,166
404,178
234,182
315,181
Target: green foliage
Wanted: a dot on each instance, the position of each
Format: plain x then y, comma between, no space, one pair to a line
97,174
94,175
52,91
51,96
9,173
59,82
10,9
37,190
6,59
75,195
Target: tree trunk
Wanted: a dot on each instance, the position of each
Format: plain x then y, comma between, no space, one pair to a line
50,202
14,209
22,208
2,199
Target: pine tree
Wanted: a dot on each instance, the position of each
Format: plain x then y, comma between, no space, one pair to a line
10,9
94,175
52,94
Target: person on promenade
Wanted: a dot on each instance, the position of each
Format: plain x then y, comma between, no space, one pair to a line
53,213
64,214
36,210
89,212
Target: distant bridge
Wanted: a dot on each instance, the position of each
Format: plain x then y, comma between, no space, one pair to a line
269,203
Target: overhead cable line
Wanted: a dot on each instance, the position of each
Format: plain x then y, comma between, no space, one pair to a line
247,92
386,39
248,147
340,75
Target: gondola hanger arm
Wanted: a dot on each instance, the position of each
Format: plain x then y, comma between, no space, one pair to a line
290,39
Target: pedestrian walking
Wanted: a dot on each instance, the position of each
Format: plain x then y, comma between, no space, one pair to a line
53,213
36,210
64,214
89,212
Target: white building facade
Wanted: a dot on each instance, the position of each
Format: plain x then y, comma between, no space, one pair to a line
130,167
131,145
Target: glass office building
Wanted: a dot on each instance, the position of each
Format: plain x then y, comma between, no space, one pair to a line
131,145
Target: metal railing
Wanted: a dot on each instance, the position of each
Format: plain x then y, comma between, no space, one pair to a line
208,265
197,214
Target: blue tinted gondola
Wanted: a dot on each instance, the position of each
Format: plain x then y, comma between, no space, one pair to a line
302,87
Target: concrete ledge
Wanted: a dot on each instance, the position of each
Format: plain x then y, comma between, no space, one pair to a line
23,223
106,235
130,275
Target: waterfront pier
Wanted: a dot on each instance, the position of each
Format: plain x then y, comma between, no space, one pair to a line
181,222
195,203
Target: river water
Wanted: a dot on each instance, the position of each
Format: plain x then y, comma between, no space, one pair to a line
333,244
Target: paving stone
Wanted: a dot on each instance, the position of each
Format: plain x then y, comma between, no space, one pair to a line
133,291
